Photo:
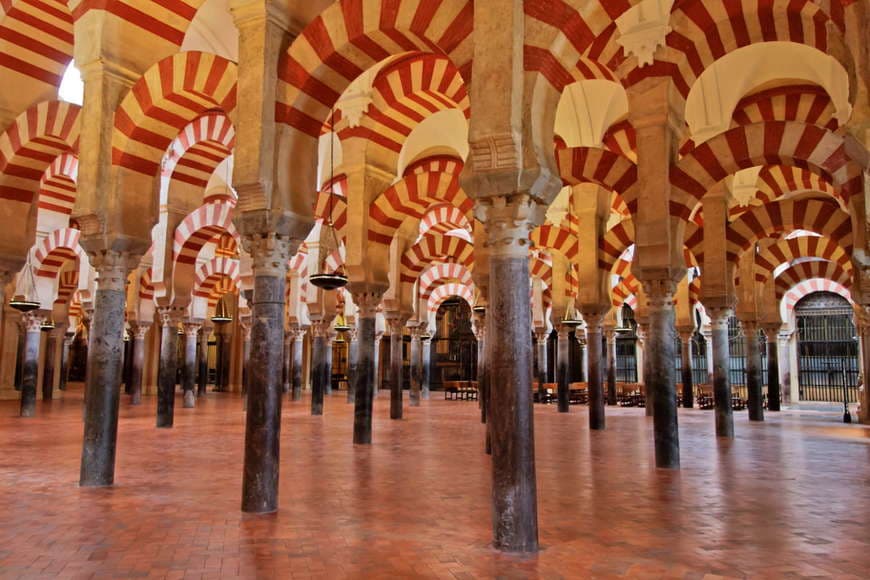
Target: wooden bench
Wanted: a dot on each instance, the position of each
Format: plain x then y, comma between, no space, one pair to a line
460,390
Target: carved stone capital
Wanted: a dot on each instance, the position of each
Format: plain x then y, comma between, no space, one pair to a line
749,327
140,331
170,315
320,328
367,301
659,293
191,330
686,335
594,316
32,321
771,330
508,222
719,317
396,324
542,336
269,254
113,267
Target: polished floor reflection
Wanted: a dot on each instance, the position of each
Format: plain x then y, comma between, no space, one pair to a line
786,498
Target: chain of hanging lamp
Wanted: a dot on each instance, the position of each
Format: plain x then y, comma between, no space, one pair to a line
26,297
570,318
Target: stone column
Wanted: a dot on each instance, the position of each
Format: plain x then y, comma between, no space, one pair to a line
288,360
103,390
562,369
202,375
479,328
514,492
610,336
191,341
595,378
30,367
378,355
721,383
269,255
427,361
296,384
169,318
331,335
774,397
50,356
639,358
580,337
416,363
353,363
139,333
319,346
541,336
64,360
642,360
367,300
19,353
707,333
686,360
753,370
226,355
245,327
396,324
661,382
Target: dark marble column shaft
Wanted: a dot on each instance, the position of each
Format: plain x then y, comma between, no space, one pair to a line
721,383
30,366
48,368
482,395
288,361
562,370
686,368
396,325
330,343
319,346
774,397
427,362
139,334
64,360
202,360
379,355
246,354
191,341
296,386
352,363
661,380
166,374
541,337
595,378
103,388
269,254
753,371
19,358
514,491
416,367
226,357
367,301
610,337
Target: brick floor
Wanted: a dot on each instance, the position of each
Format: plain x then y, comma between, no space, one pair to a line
787,498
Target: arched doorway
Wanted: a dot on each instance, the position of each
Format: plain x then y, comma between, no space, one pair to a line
454,347
827,348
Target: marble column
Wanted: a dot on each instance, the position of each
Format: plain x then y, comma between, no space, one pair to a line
353,363
514,492
19,353
721,382
753,370
64,360
479,328
226,356
707,333
610,337
103,389
202,358
427,361
30,367
416,366
367,300
774,398
643,360
661,382
331,335
50,356
595,377
396,325
169,319
245,327
580,337
319,346
863,329
378,355
686,370
288,361
191,341
269,255
296,381
541,337
562,369
140,331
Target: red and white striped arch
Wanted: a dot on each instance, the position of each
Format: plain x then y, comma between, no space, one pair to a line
199,228
55,250
541,266
339,202
212,272
820,216
789,249
435,164
404,93
445,291
703,31
57,187
626,287
227,245
771,143
411,197
348,38
807,287
30,145
614,243
36,39
67,284
434,248
621,138
444,218
775,181
605,168
146,286
556,239
201,146
808,270
808,104
167,20
442,274
171,94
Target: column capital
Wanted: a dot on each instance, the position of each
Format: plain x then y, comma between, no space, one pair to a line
686,334
719,316
191,329
594,316
113,267
353,334
749,326
269,252
417,332
367,298
396,323
541,335
32,321
508,220
771,329
320,328
170,315
659,292
140,330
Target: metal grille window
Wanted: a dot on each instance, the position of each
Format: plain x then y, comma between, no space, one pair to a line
626,348
699,359
737,351
827,349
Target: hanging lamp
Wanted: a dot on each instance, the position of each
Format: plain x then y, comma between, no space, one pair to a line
25,298
571,318
47,324
478,307
341,324
328,242
221,312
